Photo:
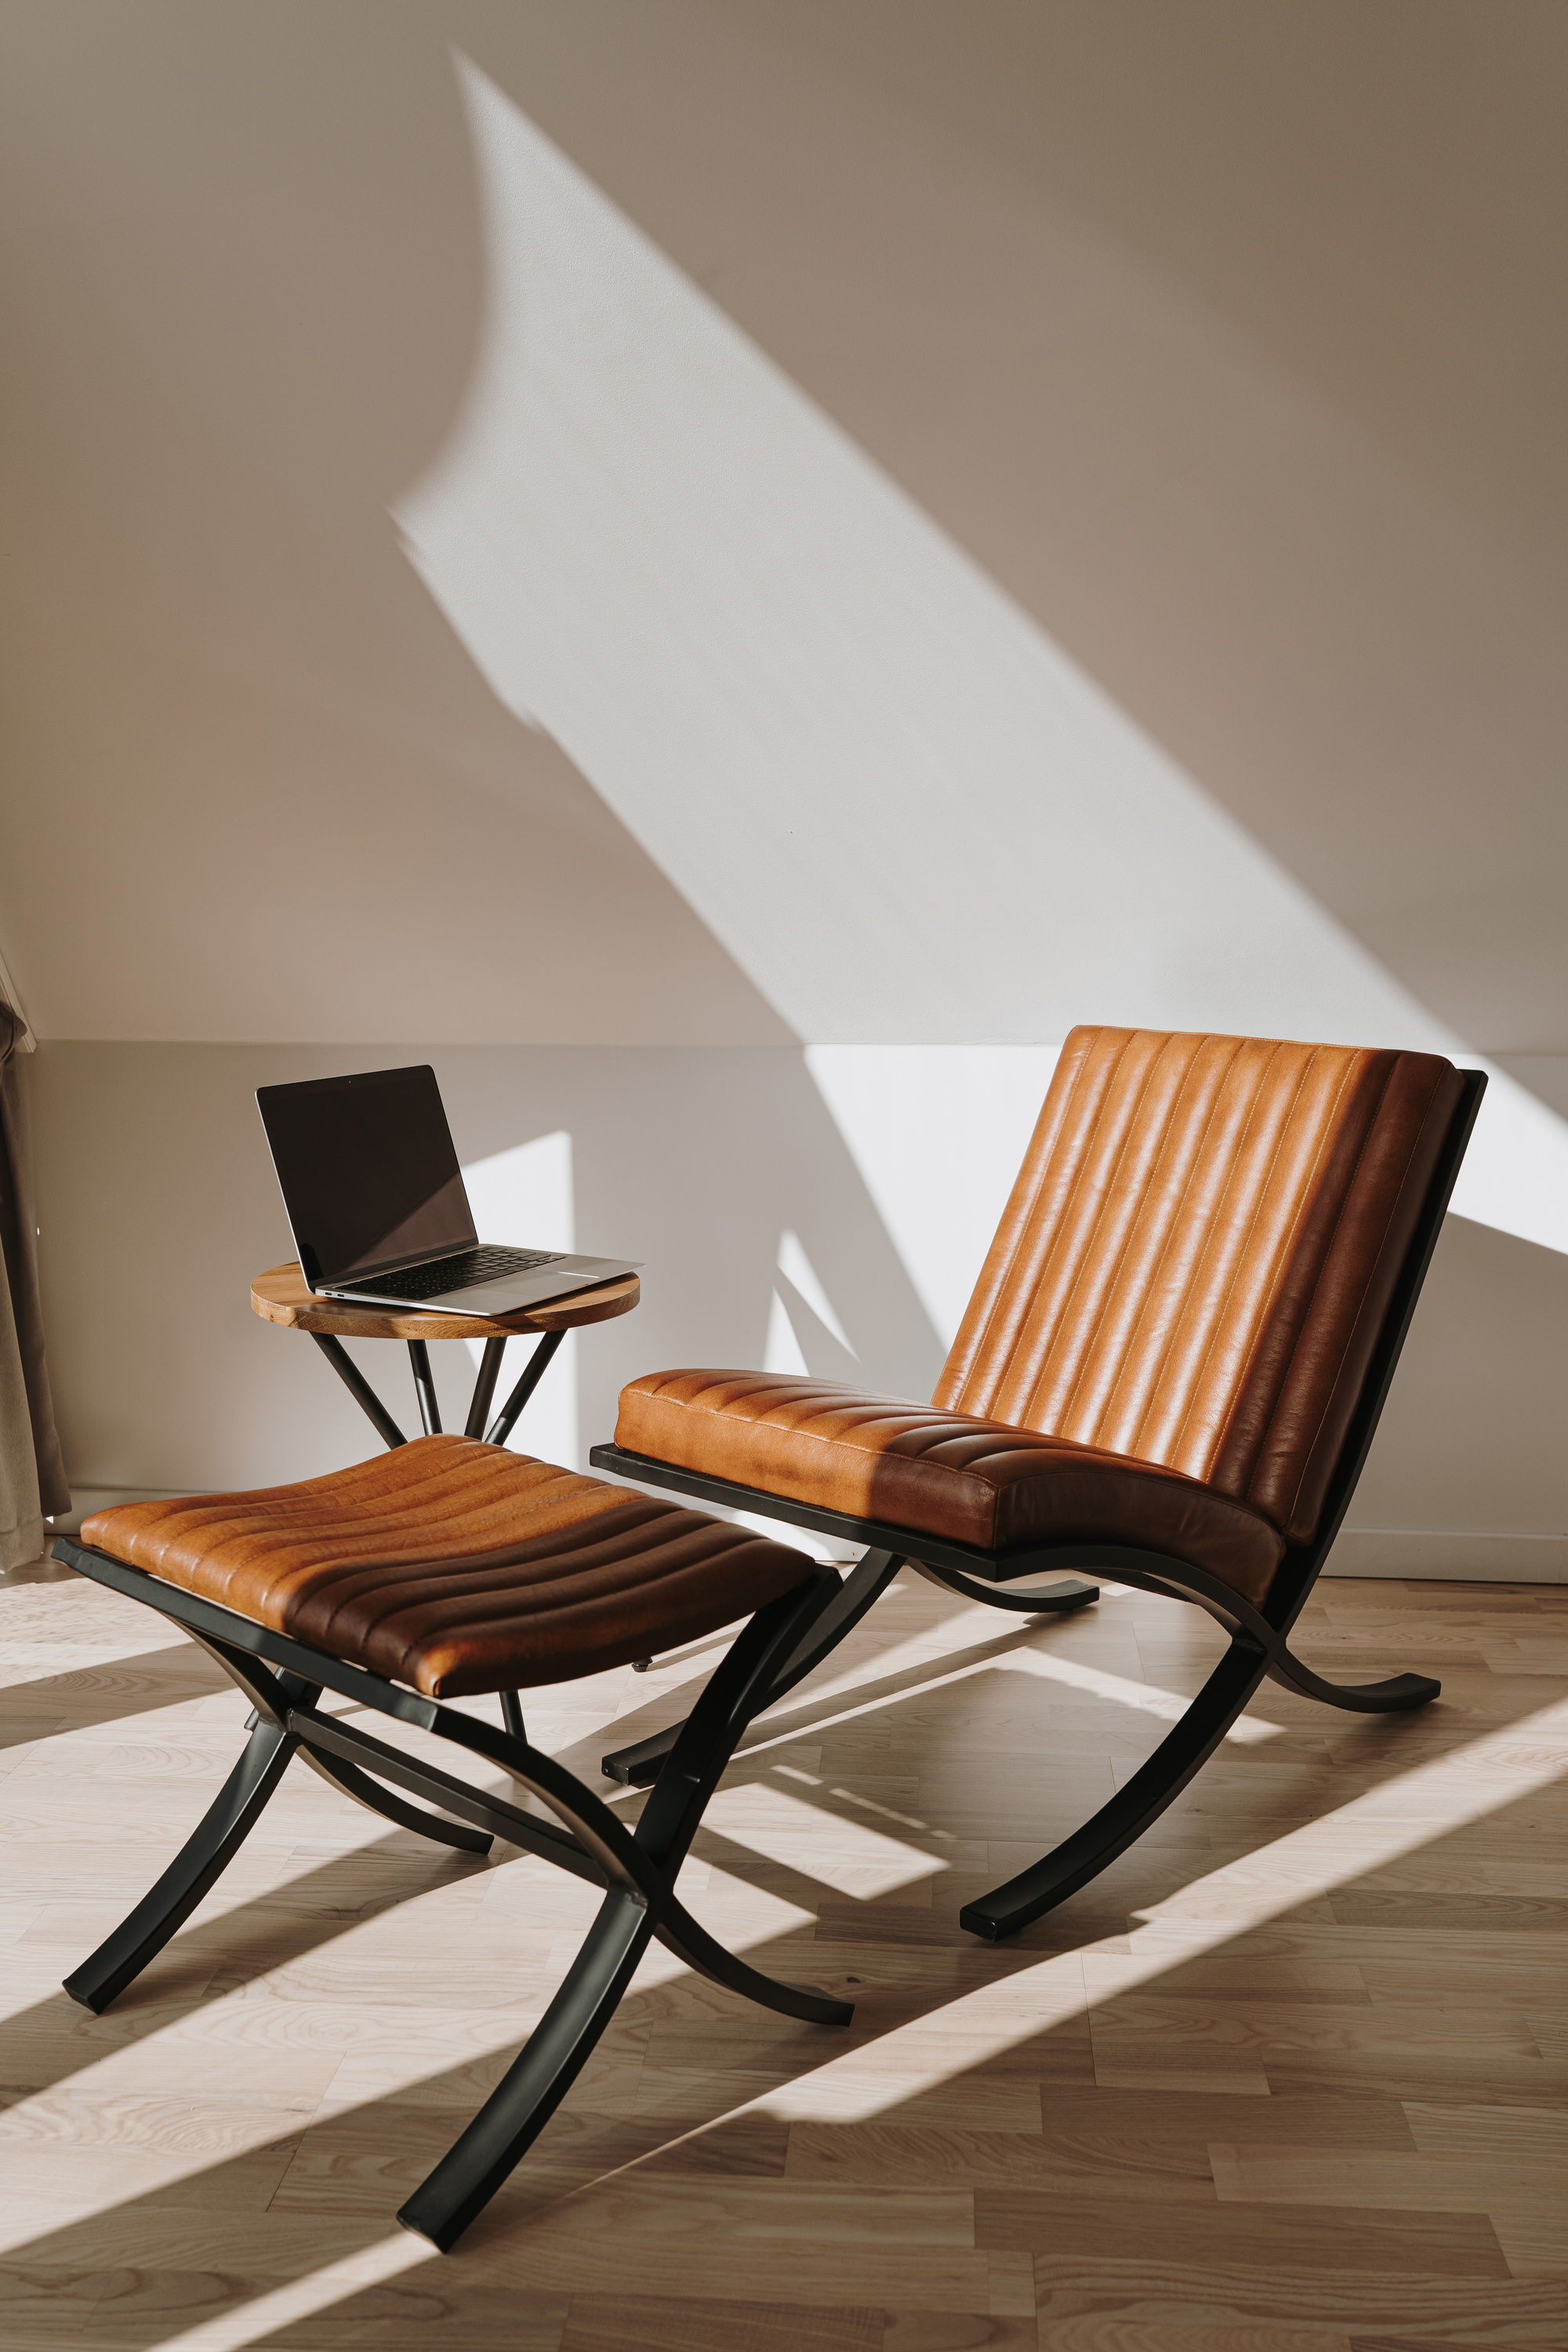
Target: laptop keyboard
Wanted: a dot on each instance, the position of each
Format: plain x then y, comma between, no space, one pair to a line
459,1273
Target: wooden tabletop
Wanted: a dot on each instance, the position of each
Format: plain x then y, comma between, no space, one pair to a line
282,1295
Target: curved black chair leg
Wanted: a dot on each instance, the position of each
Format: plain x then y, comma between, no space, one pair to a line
755,1667
533,2086
1183,1752
1052,1599
195,1869
689,1941
537,2081
639,1765
1396,1697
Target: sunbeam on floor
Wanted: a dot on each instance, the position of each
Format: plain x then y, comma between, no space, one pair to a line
1287,2078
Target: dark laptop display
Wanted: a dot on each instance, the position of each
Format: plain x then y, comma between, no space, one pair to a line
368,1171
376,1201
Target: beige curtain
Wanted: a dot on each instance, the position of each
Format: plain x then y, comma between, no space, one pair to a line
32,1473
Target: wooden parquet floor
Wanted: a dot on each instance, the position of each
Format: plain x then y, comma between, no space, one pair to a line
1289,2078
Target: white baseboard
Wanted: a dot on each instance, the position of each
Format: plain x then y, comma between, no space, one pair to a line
1448,1556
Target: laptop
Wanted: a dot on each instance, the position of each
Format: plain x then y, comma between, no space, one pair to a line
377,1207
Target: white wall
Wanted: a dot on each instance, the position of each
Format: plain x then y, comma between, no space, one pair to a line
611,540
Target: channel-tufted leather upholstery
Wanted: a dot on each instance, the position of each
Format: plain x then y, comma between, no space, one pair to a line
944,1474
1181,1298
456,1567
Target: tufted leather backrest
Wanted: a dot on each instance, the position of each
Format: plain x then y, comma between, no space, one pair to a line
1199,1251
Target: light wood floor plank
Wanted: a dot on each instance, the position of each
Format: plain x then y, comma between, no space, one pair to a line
1292,2077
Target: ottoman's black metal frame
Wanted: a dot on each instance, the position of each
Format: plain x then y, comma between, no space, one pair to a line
637,1869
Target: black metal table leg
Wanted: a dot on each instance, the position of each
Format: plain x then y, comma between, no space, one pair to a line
485,1380
358,1387
424,1388
500,1428
484,1388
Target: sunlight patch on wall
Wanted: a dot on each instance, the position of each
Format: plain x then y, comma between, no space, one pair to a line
901,808
805,1333
524,1198
783,1351
1515,1175
904,812
938,1133
803,1279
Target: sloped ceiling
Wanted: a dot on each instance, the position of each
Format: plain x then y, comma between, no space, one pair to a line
1226,346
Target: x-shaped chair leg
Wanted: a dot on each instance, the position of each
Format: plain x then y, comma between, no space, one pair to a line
521,2104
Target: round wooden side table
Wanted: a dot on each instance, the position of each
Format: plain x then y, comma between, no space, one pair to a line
282,1295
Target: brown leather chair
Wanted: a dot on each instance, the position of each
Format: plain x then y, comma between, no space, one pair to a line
1169,1373
445,1568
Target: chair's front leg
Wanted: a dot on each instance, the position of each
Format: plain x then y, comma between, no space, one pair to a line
1113,1829
195,1869
533,2086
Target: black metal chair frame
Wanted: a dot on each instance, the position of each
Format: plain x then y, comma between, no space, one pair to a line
1259,1637
284,1679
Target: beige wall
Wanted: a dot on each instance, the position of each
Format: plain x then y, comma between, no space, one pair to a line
1227,341
1208,359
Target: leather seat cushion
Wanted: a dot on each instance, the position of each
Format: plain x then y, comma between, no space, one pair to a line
456,1567
936,1473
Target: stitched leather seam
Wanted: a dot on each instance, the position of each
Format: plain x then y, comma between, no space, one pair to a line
1308,1450
1154,1376
1086,1250
1324,1143
1218,1323
1004,1288
1131,1233
864,1452
1260,1085
1013,1437
1003,1285
1327,1254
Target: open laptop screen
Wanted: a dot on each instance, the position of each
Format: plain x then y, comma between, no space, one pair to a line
369,1175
